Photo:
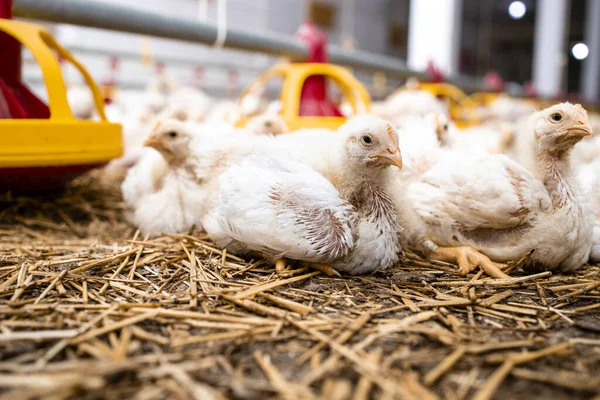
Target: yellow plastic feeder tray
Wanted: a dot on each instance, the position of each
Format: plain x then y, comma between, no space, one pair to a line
43,147
303,97
462,108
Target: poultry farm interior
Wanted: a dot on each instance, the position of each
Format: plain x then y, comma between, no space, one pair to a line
368,230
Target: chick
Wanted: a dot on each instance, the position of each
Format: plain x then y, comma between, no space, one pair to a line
173,192
589,178
143,177
380,109
268,123
285,193
81,102
191,101
489,206
153,104
423,138
223,111
162,192
505,108
489,138
413,102
281,208
588,150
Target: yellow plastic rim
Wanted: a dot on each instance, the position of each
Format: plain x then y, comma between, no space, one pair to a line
294,76
60,140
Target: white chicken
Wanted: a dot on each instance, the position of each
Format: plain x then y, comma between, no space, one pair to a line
162,192
422,137
380,109
173,192
81,102
413,102
187,104
144,177
490,204
153,104
491,138
267,123
589,178
506,108
280,209
588,149
195,103
223,111
524,146
285,210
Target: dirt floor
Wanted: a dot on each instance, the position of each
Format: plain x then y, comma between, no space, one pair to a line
90,309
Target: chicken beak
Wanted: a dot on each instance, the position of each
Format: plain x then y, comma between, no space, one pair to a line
581,129
154,142
390,157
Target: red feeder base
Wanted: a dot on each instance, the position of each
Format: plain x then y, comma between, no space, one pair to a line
40,179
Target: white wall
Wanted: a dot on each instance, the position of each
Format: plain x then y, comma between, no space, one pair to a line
434,34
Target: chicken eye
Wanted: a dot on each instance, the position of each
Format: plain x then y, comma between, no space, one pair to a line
556,117
172,134
366,140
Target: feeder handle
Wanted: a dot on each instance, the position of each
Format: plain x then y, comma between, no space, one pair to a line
260,81
64,53
40,43
355,93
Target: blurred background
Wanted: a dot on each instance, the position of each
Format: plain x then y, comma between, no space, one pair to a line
545,47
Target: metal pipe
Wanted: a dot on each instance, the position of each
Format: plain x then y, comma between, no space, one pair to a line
168,60
94,14
91,13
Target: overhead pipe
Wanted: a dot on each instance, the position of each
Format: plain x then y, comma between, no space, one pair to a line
94,14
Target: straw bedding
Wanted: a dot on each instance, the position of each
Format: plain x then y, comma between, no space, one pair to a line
90,309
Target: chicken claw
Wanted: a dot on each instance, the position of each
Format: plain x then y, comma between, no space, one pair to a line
326,269
281,266
468,259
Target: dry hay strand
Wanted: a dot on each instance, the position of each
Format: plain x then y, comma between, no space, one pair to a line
89,308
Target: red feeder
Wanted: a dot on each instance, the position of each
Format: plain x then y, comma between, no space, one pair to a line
42,147
313,100
437,76
494,81
16,100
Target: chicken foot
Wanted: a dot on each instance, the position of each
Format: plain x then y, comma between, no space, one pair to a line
324,268
468,259
282,264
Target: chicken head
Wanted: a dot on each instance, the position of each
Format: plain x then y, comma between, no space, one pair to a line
442,127
271,124
171,138
371,141
560,127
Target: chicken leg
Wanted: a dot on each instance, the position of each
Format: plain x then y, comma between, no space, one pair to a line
506,140
282,264
324,268
468,259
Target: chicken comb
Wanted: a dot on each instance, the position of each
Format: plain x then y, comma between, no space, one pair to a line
155,127
390,132
580,108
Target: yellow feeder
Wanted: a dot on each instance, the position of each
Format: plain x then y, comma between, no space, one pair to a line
303,97
463,109
49,148
484,98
